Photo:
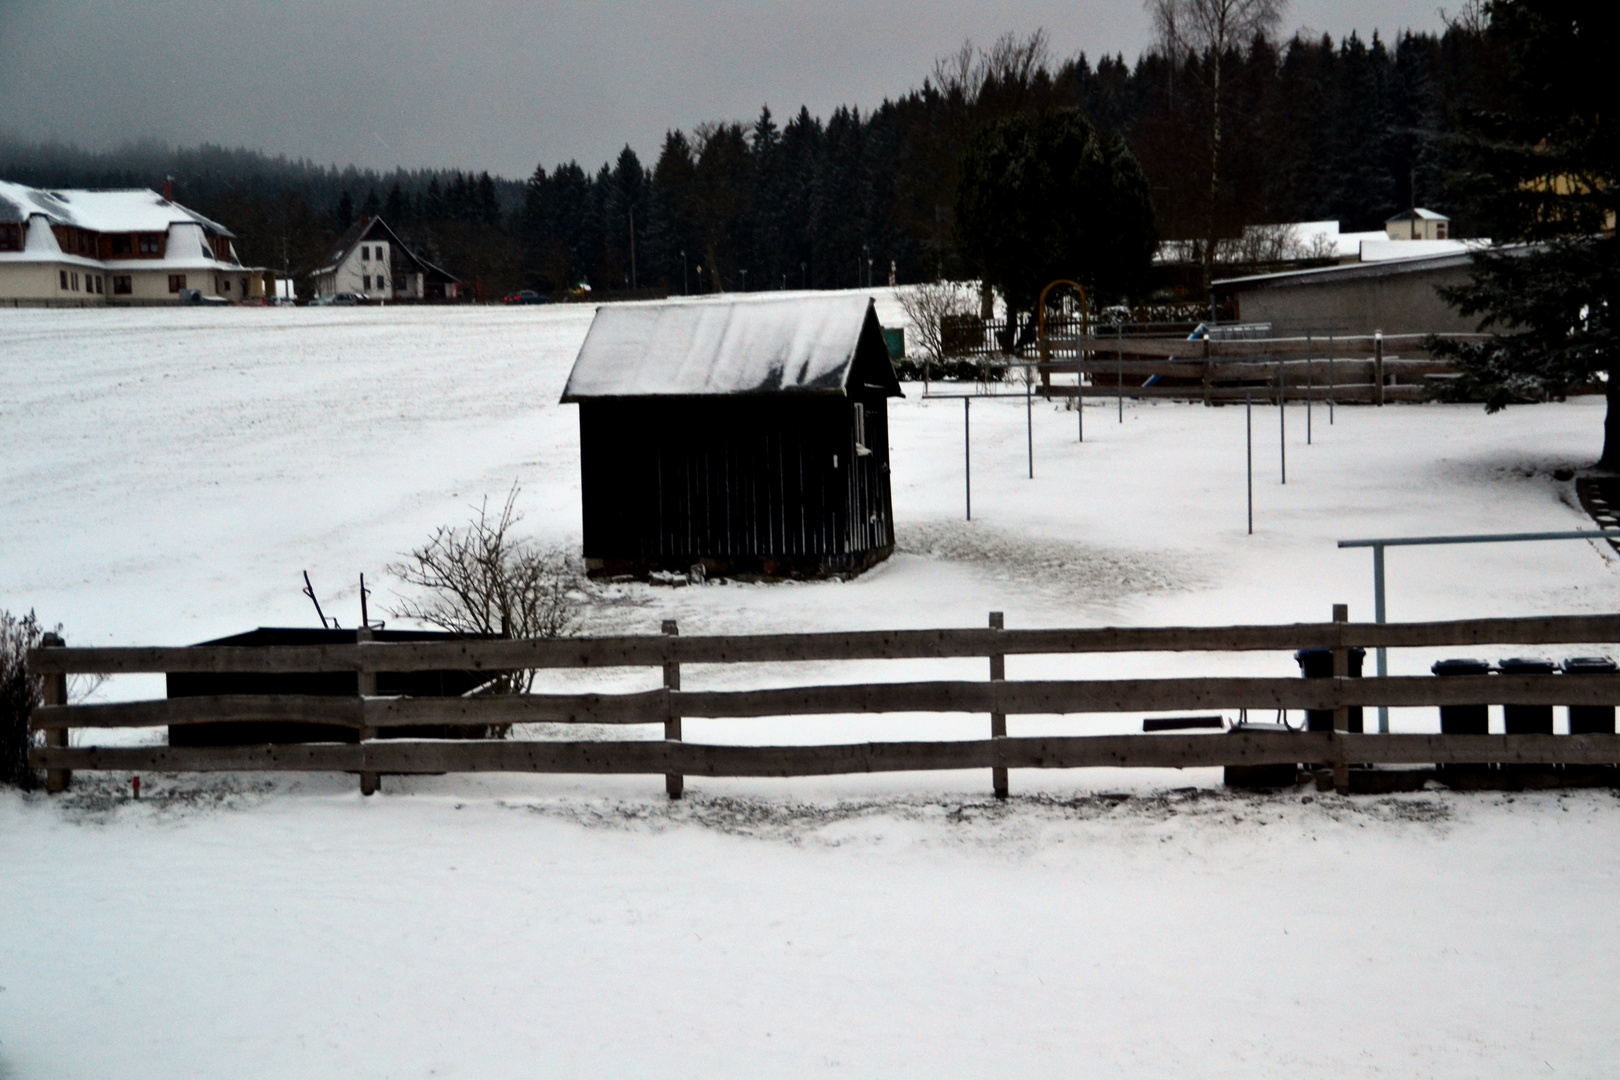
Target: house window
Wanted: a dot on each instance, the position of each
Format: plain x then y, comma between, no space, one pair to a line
122,245
225,285
367,280
100,289
122,286
149,244
861,449
64,278
365,253
75,281
1440,230
10,237
177,282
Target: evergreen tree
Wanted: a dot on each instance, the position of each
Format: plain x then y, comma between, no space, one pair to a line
1050,197
1546,166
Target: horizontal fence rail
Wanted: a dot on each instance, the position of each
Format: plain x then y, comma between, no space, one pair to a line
653,651
1164,751
1013,698
379,722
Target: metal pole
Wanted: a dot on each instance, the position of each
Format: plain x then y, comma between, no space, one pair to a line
1378,616
1120,359
967,455
1029,417
1309,387
1248,423
1282,420
1330,380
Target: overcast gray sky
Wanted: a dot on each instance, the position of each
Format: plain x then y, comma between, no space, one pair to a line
503,84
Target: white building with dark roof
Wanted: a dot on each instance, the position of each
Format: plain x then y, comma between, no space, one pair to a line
371,261
114,247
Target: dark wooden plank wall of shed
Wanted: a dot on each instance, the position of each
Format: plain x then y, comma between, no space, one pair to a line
731,477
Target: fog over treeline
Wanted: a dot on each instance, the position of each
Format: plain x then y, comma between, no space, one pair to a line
1351,130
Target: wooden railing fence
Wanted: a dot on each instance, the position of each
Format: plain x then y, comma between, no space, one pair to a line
1341,368
669,704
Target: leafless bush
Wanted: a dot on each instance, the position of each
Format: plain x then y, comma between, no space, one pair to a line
20,691
481,579
927,306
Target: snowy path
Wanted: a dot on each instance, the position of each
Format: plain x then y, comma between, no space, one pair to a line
168,474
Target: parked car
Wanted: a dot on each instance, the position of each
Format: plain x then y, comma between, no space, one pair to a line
524,296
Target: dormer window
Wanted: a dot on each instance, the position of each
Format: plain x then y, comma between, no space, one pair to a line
150,244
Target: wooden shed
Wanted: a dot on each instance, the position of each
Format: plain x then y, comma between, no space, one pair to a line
749,436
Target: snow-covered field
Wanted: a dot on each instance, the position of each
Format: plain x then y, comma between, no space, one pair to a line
167,475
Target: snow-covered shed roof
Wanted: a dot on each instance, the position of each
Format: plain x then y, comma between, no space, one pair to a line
128,210
1417,213
758,345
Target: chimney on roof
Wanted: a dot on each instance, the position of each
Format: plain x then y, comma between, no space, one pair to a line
168,189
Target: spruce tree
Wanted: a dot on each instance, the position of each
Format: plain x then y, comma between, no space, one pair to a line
1544,163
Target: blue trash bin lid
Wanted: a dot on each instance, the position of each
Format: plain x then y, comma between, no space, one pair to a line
1461,667
1588,665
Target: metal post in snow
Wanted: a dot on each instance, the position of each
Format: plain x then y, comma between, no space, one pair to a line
1029,417
1248,423
1119,339
1308,388
1378,616
967,455
1282,420
1330,380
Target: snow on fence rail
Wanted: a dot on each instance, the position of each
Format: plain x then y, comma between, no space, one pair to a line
998,697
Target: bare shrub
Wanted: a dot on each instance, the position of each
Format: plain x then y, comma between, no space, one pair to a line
20,691
930,307
481,579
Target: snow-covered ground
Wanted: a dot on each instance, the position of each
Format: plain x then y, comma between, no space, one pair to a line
169,473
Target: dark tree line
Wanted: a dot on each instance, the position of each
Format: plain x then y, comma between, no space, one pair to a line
1350,130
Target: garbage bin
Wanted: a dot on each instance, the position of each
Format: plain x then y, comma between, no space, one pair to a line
1463,719
1527,719
1318,664
1590,719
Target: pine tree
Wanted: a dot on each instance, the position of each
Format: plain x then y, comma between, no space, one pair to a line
1546,165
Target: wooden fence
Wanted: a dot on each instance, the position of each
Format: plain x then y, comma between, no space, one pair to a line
1338,368
998,697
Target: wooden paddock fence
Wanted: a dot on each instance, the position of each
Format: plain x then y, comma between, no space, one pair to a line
1339,368
998,697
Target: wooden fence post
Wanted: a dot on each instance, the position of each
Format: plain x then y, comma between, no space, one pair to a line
1378,366
998,721
1341,714
370,782
56,780
674,783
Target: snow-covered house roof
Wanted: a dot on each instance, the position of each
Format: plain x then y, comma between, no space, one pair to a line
129,210
376,229
731,347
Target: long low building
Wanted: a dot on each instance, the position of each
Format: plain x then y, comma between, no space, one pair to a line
1397,296
132,246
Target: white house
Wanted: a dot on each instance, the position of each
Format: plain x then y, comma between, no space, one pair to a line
114,247
371,261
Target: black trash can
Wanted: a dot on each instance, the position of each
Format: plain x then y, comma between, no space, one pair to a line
1527,719
1318,664
1463,719
1590,719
